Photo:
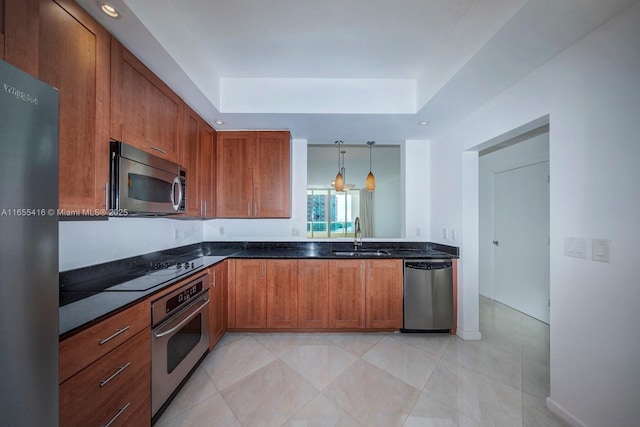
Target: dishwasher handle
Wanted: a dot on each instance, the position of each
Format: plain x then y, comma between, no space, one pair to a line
427,265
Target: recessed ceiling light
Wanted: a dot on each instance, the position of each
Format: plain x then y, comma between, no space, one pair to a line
109,10
423,123
219,122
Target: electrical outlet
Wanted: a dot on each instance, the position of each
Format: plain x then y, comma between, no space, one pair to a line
418,231
444,233
600,250
221,231
453,233
295,231
176,233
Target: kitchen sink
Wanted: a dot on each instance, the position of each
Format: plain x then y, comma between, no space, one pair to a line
362,252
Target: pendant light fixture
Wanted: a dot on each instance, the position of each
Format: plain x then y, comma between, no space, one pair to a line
338,184
371,180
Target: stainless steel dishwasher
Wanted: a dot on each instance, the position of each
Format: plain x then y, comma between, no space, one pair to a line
428,295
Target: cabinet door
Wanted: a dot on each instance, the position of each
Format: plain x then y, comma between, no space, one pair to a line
19,33
346,294
282,299
207,171
145,113
234,179
217,314
384,293
271,175
190,159
250,294
313,294
74,57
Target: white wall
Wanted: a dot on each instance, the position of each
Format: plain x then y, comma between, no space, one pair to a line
529,151
591,92
84,243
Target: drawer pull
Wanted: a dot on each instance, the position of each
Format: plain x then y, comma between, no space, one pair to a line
118,332
115,374
120,411
159,150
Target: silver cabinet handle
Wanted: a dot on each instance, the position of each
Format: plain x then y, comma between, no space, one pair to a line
118,332
120,411
159,150
205,208
115,374
187,319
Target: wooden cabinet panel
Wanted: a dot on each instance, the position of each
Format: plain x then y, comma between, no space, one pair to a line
145,112
253,174
82,349
234,178
282,289
250,294
190,159
271,175
384,293
313,294
218,312
74,58
120,378
207,171
19,33
346,294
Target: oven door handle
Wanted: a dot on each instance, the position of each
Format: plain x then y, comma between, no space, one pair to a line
161,333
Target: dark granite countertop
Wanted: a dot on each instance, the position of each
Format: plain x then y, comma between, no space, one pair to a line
95,305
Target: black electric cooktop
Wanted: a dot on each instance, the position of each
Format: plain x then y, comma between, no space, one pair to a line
128,279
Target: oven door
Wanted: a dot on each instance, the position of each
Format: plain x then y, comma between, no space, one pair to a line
176,346
144,189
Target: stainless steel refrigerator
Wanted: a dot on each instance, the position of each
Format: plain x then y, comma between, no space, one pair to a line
29,250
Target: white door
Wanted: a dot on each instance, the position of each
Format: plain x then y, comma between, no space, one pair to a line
521,239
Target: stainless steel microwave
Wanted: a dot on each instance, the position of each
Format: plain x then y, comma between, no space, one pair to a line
144,184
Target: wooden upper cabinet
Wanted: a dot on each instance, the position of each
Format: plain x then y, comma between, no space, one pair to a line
384,293
253,174
190,159
282,294
74,58
234,180
145,112
346,294
271,175
19,33
207,171
313,294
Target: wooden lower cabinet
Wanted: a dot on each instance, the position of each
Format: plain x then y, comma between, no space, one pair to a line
117,388
346,294
282,294
250,294
384,293
313,294
218,305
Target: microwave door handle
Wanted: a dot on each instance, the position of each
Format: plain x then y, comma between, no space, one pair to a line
176,203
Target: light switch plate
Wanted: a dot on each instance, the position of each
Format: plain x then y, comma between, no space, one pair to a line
600,250
575,247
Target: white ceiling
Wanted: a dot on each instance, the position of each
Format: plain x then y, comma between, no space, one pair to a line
353,70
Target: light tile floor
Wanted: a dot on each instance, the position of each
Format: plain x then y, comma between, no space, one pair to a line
374,379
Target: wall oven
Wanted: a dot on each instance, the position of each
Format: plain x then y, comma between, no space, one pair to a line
144,184
179,337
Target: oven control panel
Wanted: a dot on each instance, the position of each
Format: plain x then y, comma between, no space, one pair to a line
183,297
166,305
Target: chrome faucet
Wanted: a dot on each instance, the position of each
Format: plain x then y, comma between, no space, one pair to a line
356,243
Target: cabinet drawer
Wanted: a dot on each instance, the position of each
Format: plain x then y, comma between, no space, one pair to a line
120,379
82,349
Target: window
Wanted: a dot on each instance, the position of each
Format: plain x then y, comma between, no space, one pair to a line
331,213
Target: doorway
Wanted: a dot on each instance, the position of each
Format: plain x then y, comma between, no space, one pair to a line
514,223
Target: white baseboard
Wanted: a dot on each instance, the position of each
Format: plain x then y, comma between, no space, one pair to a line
469,336
562,413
